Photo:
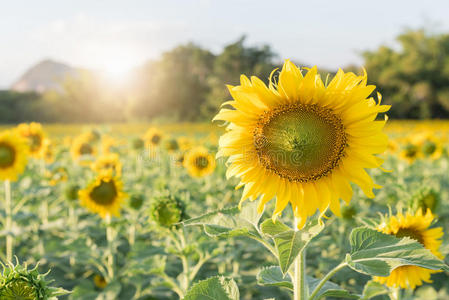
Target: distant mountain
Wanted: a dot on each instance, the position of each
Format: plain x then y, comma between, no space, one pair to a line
46,75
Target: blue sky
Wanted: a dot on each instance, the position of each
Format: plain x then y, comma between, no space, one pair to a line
118,35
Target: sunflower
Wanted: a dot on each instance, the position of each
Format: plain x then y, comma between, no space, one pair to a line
35,136
108,162
415,226
171,145
303,141
104,195
184,143
410,152
199,162
431,147
13,155
82,148
153,137
47,151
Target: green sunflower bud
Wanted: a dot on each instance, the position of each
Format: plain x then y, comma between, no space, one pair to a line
348,212
425,198
137,144
167,211
17,282
71,192
136,201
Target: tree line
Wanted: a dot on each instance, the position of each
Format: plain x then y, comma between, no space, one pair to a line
188,83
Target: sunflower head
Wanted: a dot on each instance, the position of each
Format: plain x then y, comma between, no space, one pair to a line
432,148
13,155
425,198
137,143
82,150
410,152
104,195
108,162
35,136
153,137
17,282
302,141
167,210
416,226
199,162
171,145
136,200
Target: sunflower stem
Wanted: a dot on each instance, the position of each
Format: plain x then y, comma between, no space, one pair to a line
8,223
110,238
299,278
395,294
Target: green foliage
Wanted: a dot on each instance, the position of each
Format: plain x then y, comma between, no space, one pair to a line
214,288
289,243
377,254
415,78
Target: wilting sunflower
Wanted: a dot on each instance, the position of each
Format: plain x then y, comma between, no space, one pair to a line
82,148
108,162
153,137
415,226
13,155
104,195
199,162
303,141
35,136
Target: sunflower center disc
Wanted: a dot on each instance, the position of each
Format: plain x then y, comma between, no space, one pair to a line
105,193
410,233
300,142
155,139
85,149
7,156
201,162
429,148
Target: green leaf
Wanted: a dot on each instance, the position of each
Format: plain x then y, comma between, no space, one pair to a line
272,276
289,243
230,222
222,288
373,289
329,289
271,228
377,254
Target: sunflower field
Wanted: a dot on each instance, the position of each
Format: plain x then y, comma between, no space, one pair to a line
300,189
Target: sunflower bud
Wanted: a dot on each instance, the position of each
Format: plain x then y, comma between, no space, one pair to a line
167,211
136,201
17,282
71,192
425,198
348,212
